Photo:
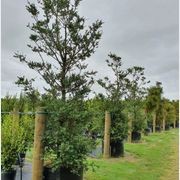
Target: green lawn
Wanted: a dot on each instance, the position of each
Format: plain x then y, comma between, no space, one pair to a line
155,158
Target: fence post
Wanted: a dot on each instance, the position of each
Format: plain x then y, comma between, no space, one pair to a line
107,135
164,123
37,166
129,129
154,122
174,123
15,114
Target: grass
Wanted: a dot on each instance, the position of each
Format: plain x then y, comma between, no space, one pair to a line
152,159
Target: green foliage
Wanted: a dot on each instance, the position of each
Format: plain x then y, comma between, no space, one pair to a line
115,90
27,123
31,94
66,137
119,126
97,108
153,98
170,113
8,103
153,102
63,43
136,90
176,105
12,136
17,134
59,32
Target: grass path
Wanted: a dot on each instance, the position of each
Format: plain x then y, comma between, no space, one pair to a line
172,173
155,158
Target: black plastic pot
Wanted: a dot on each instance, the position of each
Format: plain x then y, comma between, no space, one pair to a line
167,127
61,174
66,174
158,129
117,148
49,174
177,124
147,131
20,158
136,136
10,175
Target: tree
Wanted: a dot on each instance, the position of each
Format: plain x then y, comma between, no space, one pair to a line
171,114
176,105
153,100
136,91
115,90
97,106
63,43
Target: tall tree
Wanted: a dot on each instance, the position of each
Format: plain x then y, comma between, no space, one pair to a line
153,100
115,91
63,43
136,90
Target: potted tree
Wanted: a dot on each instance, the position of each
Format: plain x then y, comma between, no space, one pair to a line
115,91
66,143
136,90
59,33
119,130
11,139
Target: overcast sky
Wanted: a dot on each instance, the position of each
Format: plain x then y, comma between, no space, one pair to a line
142,32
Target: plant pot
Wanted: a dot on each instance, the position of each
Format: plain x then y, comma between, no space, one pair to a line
177,124
158,129
117,148
49,174
136,136
147,131
167,127
66,174
10,175
20,158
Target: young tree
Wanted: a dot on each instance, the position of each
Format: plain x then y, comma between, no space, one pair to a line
63,43
171,114
115,90
136,91
153,100
176,105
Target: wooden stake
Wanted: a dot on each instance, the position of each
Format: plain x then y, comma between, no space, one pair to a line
107,135
174,124
164,123
37,167
129,129
154,122
15,114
